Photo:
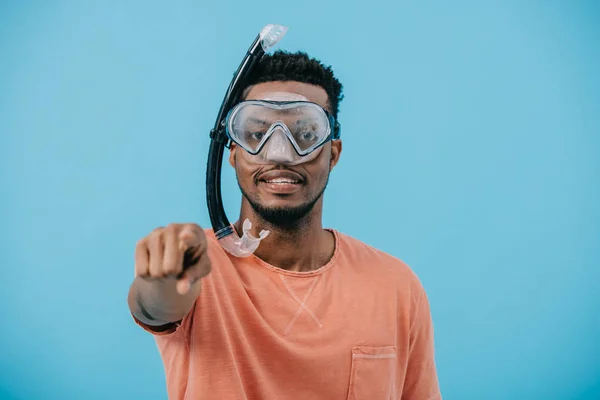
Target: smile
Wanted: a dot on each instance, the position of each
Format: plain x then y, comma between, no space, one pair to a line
282,181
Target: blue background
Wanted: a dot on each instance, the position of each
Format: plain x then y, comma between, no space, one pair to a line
471,152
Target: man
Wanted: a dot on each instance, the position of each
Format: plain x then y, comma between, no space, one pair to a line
313,313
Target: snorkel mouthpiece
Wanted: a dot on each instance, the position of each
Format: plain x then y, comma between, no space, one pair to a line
245,245
268,37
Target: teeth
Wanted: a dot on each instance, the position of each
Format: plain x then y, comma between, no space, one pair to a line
281,180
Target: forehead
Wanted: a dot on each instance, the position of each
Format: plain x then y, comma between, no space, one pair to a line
313,93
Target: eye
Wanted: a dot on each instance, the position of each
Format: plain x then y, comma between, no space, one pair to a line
255,136
308,136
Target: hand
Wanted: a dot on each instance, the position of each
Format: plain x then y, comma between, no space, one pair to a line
179,250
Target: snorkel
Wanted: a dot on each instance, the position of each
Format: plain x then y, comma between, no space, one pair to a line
228,238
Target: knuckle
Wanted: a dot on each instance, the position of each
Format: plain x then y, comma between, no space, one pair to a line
154,236
141,243
172,228
195,228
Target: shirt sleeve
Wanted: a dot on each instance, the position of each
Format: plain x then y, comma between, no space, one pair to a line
163,330
171,328
421,381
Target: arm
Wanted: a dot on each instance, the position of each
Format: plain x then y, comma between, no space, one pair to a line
156,302
421,382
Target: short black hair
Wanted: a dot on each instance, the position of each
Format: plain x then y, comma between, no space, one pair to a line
299,67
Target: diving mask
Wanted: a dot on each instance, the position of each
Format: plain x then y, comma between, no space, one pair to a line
286,132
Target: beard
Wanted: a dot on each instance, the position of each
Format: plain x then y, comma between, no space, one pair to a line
285,218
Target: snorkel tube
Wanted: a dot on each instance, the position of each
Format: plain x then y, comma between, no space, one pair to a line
246,245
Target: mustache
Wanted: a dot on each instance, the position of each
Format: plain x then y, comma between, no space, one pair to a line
261,171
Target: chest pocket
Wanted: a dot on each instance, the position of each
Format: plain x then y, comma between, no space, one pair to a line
373,373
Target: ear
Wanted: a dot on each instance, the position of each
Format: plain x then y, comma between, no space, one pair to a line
336,152
232,151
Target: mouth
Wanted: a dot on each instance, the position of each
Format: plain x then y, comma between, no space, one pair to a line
281,181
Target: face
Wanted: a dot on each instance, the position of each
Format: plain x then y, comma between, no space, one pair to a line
282,194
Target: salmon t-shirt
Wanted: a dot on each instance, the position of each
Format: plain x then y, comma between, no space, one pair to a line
357,328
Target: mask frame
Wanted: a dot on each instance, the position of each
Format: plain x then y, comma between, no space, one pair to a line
333,129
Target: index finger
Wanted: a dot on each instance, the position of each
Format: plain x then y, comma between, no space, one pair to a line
191,237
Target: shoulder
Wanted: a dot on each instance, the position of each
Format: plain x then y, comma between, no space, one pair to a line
214,248
385,274
210,235
378,264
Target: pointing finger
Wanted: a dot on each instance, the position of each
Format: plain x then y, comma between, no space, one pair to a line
194,273
191,237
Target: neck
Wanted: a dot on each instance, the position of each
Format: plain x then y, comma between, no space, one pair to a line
303,246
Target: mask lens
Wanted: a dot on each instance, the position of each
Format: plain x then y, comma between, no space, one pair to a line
249,126
252,123
309,130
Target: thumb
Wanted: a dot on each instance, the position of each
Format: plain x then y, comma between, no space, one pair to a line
183,286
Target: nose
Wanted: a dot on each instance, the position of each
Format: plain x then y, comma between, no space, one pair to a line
278,148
